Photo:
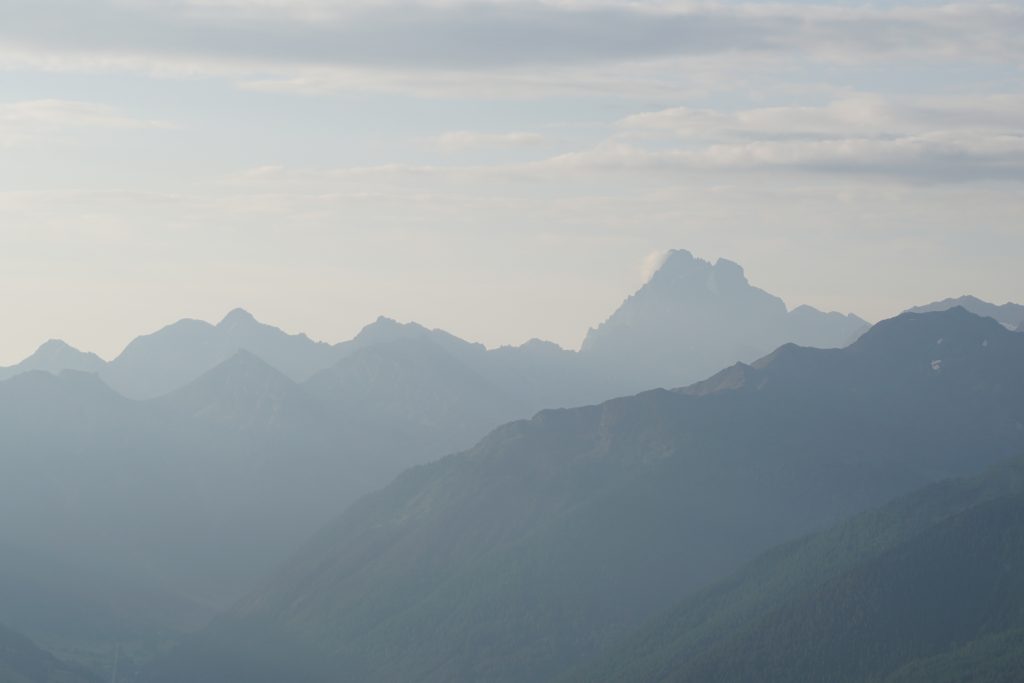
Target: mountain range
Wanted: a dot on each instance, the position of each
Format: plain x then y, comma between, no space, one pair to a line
555,537
155,364
1009,314
205,455
55,356
691,319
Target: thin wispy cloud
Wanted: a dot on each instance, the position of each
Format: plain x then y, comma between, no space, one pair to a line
864,115
466,140
26,121
904,139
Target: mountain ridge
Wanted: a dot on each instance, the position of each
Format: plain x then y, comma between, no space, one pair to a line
1010,314
54,356
675,309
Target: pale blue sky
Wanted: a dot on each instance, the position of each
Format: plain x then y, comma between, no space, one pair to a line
501,169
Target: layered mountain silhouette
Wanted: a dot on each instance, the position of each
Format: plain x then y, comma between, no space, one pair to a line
158,363
1009,314
693,318
203,490
925,590
553,538
246,395
55,356
205,455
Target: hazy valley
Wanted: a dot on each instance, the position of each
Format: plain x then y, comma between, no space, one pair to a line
214,504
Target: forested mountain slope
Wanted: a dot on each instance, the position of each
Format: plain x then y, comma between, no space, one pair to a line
925,589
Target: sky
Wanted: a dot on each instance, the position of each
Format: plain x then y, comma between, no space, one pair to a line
500,169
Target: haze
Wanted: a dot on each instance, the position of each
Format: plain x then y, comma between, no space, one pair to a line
504,341
501,170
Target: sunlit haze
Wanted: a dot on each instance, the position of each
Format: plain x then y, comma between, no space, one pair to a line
499,169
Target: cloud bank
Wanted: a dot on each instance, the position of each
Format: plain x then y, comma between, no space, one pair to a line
324,45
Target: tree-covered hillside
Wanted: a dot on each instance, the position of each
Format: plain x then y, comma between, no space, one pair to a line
926,589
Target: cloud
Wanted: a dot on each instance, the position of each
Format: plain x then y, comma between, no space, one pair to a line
25,121
911,140
652,263
859,115
938,157
318,45
917,139
465,140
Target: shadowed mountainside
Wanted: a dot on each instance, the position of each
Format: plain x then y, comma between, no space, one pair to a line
926,589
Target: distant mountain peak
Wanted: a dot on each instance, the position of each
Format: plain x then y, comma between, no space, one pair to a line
694,317
244,391
53,356
54,345
237,316
158,363
241,369
679,260
682,269
55,350
246,358
384,322
945,328
384,330
1011,315
536,344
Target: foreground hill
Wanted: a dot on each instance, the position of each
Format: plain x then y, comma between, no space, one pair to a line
21,661
555,537
925,590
